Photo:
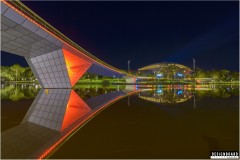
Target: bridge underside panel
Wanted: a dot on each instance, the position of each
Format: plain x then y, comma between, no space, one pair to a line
100,70
76,66
51,70
23,37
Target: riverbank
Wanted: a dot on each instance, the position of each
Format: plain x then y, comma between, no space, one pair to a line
122,82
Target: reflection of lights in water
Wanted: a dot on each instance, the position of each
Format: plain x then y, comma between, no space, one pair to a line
76,128
160,91
228,89
179,74
164,100
166,96
194,102
159,75
180,92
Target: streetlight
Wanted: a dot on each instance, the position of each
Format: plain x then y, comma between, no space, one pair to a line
129,61
193,75
153,73
193,64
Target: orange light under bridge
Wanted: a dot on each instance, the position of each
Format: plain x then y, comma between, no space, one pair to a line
76,66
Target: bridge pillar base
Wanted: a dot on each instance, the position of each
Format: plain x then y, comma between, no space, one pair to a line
130,79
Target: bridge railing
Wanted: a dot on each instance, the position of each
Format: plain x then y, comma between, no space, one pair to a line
20,7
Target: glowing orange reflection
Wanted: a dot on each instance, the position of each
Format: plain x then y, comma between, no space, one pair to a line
76,108
76,66
75,129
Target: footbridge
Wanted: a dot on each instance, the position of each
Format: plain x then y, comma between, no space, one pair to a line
56,61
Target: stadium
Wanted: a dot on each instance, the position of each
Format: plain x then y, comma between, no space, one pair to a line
166,70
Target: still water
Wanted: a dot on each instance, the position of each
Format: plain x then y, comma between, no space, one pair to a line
92,121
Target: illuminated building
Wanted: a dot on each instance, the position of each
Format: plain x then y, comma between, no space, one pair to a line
166,70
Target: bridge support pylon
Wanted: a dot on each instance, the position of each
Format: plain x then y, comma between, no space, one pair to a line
58,69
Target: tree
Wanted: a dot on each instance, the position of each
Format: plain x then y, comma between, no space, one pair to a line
200,73
224,75
6,73
17,70
214,74
235,76
28,74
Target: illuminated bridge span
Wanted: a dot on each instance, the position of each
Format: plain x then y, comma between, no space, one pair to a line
56,61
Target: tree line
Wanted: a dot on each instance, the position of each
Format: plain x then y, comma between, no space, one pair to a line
16,73
19,73
217,75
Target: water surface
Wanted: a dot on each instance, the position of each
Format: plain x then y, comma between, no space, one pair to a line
91,121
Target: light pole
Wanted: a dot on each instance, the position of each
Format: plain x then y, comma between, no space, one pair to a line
129,61
193,75
194,102
154,74
193,64
154,77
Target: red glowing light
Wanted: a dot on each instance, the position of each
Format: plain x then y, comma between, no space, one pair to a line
76,66
75,128
49,150
76,108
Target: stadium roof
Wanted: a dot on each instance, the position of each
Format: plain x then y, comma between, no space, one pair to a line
162,64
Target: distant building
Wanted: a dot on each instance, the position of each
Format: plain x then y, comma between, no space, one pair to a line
166,70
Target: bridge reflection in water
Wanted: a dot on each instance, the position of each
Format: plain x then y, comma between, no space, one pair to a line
54,115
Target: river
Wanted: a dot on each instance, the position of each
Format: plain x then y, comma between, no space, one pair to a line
118,121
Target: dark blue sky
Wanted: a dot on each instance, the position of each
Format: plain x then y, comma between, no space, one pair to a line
149,32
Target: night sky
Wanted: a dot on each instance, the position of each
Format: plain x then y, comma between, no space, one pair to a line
148,32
